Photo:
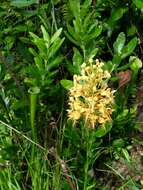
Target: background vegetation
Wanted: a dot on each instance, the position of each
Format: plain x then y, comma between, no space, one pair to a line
42,45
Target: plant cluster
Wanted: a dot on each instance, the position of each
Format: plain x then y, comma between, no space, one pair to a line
49,82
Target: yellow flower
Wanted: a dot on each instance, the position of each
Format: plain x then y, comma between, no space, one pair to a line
90,97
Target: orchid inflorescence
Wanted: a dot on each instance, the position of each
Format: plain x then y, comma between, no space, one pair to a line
90,97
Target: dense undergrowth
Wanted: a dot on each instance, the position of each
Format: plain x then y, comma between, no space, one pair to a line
71,94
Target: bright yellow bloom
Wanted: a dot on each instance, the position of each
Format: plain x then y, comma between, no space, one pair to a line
90,97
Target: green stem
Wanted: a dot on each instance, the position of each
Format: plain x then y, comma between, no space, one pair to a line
86,166
33,102
34,91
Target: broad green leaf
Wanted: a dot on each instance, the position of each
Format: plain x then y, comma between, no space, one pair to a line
119,43
56,35
67,84
23,3
138,3
129,48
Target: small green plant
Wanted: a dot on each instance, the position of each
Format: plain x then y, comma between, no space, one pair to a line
91,100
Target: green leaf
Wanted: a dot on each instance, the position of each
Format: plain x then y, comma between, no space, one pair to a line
132,30
45,34
126,154
87,21
77,27
20,28
39,43
9,41
118,143
23,3
30,81
77,59
55,47
92,53
67,84
56,35
54,62
116,14
119,43
138,3
72,32
39,63
93,35
71,38
135,62
108,66
75,8
18,104
33,52
85,7
129,48
34,90
102,130
116,61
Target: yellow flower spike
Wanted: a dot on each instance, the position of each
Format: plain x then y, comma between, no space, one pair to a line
90,97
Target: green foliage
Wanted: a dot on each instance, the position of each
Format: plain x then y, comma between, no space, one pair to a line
25,3
45,59
42,45
84,28
138,3
121,51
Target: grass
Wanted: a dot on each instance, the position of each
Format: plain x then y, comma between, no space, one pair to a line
49,75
